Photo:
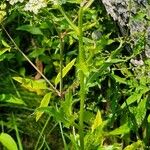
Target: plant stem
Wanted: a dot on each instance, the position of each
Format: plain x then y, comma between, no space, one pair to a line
81,78
61,63
63,138
46,123
17,133
26,57
68,19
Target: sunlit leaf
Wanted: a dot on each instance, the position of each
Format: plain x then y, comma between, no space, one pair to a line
3,50
6,47
64,71
74,1
119,79
5,44
31,29
8,142
124,129
32,85
134,146
98,121
9,98
44,103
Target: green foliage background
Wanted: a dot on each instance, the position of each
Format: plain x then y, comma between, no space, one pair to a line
43,59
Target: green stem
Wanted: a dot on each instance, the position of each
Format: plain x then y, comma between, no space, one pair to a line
68,19
81,78
61,64
63,138
46,123
88,4
17,133
26,57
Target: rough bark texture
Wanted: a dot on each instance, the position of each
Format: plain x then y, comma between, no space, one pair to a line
133,14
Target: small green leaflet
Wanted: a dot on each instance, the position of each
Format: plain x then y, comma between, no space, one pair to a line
64,71
119,79
121,130
148,118
134,146
5,44
30,29
98,121
44,103
8,142
9,98
135,96
141,111
32,85
6,47
3,50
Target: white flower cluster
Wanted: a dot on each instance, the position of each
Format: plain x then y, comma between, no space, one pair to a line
12,2
137,62
32,5
35,5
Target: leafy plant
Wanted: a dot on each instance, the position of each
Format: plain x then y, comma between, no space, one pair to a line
70,79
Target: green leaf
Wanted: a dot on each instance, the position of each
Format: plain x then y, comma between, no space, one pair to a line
9,98
58,115
31,29
141,111
124,129
7,47
119,79
74,1
148,118
8,142
36,53
98,121
67,104
64,71
3,50
5,44
32,85
135,96
44,103
134,146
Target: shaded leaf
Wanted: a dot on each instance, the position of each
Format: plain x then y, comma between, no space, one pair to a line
31,29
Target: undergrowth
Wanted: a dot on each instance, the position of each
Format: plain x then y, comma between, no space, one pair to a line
69,79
